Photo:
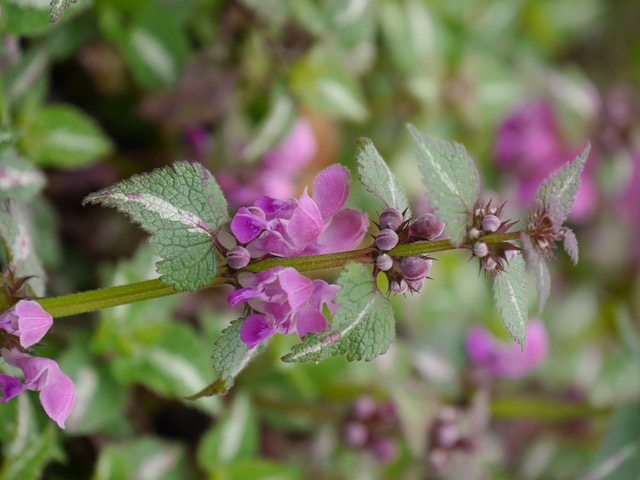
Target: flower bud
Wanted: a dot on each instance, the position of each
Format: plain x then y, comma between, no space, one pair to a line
356,434
490,264
238,257
416,285
480,249
415,268
510,254
386,239
490,223
474,233
398,286
384,448
384,262
426,226
364,407
391,218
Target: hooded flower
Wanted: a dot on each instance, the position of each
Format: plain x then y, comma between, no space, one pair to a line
504,359
30,322
308,226
285,301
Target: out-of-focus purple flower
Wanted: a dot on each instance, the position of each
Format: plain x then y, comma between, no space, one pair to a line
529,147
275,173
308,226
285,302
43,375
370,426
28,321
506,359
628,203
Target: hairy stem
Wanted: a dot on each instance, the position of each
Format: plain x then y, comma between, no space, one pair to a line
92,300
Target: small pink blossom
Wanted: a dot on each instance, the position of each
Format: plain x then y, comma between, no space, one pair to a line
311,225
506,359
28,321
43,375
285,302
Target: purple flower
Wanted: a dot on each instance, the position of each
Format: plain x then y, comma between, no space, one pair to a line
285,302
506,359
43,375
28,321
308,226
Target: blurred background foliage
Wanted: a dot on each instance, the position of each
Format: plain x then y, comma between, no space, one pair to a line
117,87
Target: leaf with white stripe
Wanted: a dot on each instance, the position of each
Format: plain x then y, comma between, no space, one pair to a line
63,136
452,181
559,190
378,178
182,208
362,328
510,294
19,179
535,262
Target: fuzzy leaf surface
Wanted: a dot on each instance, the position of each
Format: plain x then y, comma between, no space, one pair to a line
559,190
230,356
538,266
570,245
452,181
182,207
19,179
57,9
510,294
362,328
378,178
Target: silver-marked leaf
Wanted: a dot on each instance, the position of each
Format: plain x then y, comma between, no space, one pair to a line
19,179
510,294
231,355
8,136
57,9
182,208
452,181
17,240
378,178
538,266
559,190
571,245
362,328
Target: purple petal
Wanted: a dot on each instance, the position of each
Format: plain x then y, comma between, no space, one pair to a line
243,295
274,243
10,387
274,208
298,288
295,151
255,329
331,190
344,232
306,223
33,322
246,226
323,293
480,345
309,320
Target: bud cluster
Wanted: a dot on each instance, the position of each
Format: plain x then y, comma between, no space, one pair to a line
543,231
487,220
448,437
370,426
404,273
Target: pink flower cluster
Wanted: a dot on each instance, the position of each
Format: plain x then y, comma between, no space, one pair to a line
282,300
529,147
29,322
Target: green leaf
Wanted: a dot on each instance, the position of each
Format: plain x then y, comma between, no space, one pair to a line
362,328
538,266
376,175
20,17
452,181
17,240
27,445
19,179
510,294
8,136
182,208
57,9
155,46
231,355
558,192
63,136
619,456
235,437
143,458
259,469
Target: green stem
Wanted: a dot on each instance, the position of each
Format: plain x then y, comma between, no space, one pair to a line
113,296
